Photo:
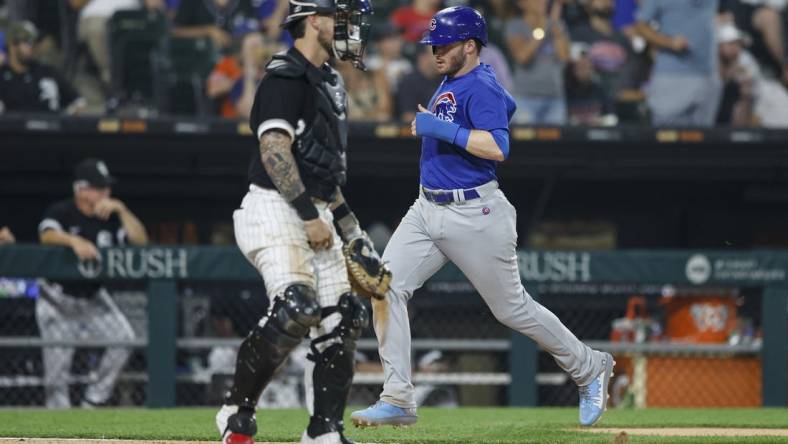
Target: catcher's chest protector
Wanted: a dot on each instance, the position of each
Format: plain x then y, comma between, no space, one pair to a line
320,144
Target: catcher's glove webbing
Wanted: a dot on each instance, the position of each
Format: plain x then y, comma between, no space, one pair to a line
369,276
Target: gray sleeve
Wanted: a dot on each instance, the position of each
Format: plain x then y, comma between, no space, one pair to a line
648,10
517,27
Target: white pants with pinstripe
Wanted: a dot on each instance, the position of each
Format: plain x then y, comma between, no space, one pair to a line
64,317
271,235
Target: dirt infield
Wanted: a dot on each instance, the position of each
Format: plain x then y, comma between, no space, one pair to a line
621,432
106,441
695,431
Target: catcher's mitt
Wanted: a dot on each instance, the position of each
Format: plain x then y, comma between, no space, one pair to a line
369,276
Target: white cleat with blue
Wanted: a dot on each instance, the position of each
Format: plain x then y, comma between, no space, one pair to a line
594,396
383,413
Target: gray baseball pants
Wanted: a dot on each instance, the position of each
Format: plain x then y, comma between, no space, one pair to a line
63,317
480,237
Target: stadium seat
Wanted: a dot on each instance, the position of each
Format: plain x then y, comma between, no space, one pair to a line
138,41
192,60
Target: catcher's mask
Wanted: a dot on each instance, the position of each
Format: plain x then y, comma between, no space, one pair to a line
351,24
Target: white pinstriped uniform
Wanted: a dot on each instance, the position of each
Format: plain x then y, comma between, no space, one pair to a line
271,235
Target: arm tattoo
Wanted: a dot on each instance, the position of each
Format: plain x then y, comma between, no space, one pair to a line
279,163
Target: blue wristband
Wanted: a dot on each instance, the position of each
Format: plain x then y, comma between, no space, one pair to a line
461,139
430,126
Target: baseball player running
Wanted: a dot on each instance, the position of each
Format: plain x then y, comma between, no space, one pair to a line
462,216
284,225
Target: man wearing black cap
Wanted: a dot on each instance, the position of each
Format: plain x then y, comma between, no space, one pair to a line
71,310
28,86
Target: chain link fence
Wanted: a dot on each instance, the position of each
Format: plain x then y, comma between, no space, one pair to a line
674,346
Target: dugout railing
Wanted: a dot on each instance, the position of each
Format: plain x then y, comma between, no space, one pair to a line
161,268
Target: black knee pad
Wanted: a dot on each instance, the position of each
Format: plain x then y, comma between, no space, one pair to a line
292,315
334,367
355,318
266,347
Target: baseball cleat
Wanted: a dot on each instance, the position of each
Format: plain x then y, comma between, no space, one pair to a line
237,438
327,438
235,428
383,413
594,396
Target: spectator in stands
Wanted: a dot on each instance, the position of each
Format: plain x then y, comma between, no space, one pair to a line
255,53
216,19
418,86
3,55
497,13
685,86
28,86
221,81
624,16
749,97
92,27
387,55
608,49
48,19
6,236
368,96
539,45
271,14
738,92
764,20
71,310
494,56
414,19
234,78
587,102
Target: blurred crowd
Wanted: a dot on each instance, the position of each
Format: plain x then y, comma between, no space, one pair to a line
581,62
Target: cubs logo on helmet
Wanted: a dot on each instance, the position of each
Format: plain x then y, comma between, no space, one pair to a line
445,106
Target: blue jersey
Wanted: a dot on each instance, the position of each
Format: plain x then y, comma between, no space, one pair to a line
475,101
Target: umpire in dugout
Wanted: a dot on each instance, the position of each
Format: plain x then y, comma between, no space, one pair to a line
79,310
284,224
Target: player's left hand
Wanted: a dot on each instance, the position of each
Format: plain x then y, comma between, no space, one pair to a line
105,208
413,126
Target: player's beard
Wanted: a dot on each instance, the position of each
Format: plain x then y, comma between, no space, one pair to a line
326,41
453,64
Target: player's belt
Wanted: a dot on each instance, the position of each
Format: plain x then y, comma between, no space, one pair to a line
443,197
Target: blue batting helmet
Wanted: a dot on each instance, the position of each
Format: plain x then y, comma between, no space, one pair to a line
455,24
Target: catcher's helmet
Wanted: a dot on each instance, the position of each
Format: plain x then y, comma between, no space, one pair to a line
300,9
351,26
455,24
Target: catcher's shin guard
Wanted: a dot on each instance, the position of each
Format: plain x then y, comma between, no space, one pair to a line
334,367
266,347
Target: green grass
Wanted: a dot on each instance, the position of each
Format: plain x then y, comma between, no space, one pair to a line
435,426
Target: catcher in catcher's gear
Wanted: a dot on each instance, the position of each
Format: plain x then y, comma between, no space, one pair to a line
285,225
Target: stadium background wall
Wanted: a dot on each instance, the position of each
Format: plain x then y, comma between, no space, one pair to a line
161,267
660,188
